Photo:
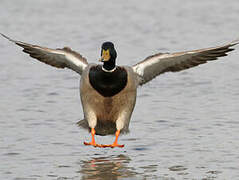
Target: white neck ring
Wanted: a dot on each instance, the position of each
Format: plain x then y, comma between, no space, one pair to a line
112,70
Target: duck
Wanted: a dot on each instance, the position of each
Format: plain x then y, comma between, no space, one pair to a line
107,91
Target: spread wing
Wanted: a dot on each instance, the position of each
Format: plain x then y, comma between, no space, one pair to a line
160,63
59,58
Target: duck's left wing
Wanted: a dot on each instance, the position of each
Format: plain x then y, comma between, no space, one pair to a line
157,64
59,58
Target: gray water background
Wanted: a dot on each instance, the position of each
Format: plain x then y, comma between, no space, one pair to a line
185,125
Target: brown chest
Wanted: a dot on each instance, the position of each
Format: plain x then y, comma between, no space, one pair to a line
107,84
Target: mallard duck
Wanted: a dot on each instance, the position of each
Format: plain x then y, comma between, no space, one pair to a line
108,92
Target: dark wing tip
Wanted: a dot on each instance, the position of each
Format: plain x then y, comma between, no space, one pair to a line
19,43
8,38
235,42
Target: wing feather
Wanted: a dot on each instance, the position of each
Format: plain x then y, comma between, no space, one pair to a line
59,58
160,63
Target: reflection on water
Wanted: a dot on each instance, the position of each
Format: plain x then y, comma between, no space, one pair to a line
112,167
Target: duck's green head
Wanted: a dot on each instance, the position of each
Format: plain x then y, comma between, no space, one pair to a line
108,55
108,52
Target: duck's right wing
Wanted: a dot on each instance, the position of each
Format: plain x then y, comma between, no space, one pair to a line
59,58
160,63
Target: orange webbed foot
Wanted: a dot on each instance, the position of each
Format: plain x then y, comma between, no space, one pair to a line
104,145
92,144
115,144
112,145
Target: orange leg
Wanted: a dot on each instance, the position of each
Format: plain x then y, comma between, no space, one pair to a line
92,143
115,143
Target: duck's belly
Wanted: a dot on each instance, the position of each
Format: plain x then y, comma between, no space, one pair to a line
108,108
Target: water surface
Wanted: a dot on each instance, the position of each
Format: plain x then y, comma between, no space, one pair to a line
185,125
